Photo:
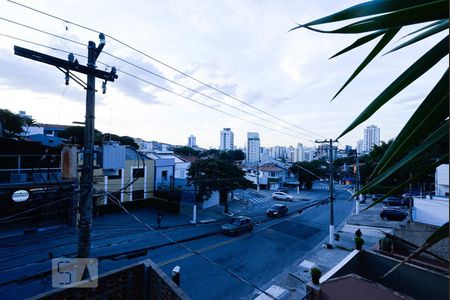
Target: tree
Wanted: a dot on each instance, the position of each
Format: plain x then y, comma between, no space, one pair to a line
124,140
429,124
186,151
75,134
13,124
216,174
307,172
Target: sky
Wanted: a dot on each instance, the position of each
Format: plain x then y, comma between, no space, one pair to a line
241,48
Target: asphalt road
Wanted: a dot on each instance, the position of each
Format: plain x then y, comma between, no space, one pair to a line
254,257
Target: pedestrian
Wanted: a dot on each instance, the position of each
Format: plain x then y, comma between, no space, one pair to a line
358,233
158,219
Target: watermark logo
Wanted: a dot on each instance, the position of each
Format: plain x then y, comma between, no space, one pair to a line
74,272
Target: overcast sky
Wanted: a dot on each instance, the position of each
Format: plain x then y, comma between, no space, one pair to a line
242,48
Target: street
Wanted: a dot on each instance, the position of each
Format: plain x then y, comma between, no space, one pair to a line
254,257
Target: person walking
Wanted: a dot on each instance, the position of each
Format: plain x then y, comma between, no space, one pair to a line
158,218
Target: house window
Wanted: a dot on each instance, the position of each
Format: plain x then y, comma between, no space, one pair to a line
138,173
164,175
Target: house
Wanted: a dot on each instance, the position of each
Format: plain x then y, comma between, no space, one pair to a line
359,276
271,175
33,171
134,179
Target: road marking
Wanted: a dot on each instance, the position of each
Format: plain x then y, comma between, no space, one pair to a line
211,247
275,290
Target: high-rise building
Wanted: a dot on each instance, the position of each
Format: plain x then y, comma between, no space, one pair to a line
253,145
371,138
226,139
299,153
360,147
192,141
308,153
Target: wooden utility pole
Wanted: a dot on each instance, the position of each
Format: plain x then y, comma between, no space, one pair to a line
86,182
331,179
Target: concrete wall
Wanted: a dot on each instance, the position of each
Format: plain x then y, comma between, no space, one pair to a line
213,200
417,233
441,180
431,211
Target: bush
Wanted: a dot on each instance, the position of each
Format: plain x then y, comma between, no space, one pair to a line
315,275
359,242
385,244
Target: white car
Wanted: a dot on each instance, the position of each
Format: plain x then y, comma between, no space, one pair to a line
282,196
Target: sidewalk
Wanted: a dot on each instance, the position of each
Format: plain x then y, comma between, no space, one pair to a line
292,282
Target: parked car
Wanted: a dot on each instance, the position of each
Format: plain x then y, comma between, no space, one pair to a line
282,196
393,214
277,210
375,197
237,225
395,201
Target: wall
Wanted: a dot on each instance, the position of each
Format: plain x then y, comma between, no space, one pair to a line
431,211
114,185
441,180
417,233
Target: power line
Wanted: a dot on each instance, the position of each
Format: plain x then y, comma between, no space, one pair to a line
202,94
203,104
156,85
191,250
166,65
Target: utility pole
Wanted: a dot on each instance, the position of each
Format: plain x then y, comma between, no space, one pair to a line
358,184
86,182
331,179
257,176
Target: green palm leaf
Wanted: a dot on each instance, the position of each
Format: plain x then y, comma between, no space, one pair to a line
432,111
360,41
416,177
425,27
436,136
441,26
387,37
421,66
440,234
365,9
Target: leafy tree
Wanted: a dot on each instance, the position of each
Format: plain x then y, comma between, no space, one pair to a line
307,172
429,123
13,123
186,151
229,155
216,174
75,134
124,140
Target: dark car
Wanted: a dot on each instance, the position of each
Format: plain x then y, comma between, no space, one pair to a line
376,197
277,210
393,214
237,225
395,201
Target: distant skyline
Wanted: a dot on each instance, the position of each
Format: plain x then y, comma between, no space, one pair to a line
242,48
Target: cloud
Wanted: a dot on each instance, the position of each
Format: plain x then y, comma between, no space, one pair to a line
19,73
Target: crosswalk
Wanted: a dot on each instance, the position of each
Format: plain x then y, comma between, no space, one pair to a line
256,198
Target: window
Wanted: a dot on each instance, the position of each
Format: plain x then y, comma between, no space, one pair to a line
138,173
164,175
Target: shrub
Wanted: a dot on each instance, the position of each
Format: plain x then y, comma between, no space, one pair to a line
359,242
315,275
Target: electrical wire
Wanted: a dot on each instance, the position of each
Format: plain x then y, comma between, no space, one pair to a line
166,65
161,87
191,250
